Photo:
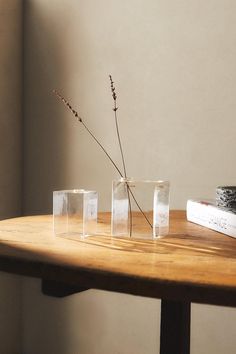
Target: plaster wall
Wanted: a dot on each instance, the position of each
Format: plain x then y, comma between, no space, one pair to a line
173,63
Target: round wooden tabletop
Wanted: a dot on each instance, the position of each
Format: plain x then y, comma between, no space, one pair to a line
192,263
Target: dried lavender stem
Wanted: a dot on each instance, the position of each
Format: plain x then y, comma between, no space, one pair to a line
124,167
129,191
130,213
119,140
79,119
103,149
136,202
121,152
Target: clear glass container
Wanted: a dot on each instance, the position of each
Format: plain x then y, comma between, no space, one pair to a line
75,212
140,208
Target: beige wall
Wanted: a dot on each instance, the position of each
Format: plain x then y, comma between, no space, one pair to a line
10,161
174,67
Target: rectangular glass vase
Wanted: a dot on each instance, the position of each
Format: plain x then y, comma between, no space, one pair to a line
140,208
75,212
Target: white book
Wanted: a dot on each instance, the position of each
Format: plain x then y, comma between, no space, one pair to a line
206,213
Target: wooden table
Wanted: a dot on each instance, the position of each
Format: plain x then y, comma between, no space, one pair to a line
191,264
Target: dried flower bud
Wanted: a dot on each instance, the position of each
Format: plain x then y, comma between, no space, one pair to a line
68,105
113,91
112,88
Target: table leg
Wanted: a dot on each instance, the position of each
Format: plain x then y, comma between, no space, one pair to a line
175,327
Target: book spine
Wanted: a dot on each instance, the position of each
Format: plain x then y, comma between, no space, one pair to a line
212,217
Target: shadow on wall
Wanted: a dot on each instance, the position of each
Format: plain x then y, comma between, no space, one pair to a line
46,321
50,325
10,108
90,322
47,127
59,325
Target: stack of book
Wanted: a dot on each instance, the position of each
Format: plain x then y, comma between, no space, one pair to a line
212,216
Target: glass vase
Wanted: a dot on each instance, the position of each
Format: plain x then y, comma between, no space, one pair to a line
140,208
75,212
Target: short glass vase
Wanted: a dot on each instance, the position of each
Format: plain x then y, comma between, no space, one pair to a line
75,212
140,208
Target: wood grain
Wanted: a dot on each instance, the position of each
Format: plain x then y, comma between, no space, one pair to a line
192,263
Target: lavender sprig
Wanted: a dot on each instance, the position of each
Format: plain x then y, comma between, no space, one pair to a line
129,191
79,119
115,108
